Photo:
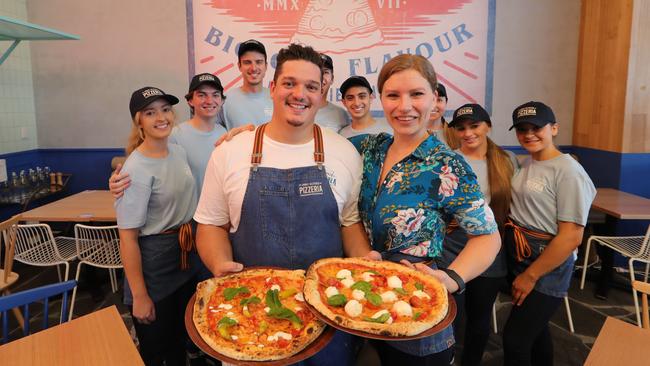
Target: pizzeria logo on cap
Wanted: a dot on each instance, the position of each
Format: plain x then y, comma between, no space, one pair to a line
206,78
151,92
465,110
527,111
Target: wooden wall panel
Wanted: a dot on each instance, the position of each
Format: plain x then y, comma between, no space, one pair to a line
636,137
601,83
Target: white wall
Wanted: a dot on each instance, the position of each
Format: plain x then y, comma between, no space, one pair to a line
82,87
17,116
536,57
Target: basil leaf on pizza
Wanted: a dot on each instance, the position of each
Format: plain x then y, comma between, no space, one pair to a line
376,297
255,315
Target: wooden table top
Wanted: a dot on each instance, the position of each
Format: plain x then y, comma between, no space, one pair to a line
99,338
622,205
620,343
84,206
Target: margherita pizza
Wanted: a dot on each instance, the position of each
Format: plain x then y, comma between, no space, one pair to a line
377,297
255,315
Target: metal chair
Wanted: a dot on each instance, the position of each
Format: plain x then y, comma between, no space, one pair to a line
37,246
634,247
97,246
644,288
25,298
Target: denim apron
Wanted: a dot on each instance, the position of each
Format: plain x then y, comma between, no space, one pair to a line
289,219
556,282
423,346
160,255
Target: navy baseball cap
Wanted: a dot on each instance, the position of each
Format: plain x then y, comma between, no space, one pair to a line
354,81
251,45
147,95
201,79
536,113
472,112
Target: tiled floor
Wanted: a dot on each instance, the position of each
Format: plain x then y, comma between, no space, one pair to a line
588,312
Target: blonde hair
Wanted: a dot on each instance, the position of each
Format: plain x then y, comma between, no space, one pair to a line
136,136
500,171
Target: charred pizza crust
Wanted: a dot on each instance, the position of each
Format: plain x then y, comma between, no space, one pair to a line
250,351
437,306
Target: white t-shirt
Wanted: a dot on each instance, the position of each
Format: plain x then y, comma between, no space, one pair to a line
226,176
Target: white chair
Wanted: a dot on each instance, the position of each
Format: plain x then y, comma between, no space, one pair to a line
37,246
97,246
634,247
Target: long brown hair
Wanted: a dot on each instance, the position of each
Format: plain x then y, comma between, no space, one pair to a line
500,171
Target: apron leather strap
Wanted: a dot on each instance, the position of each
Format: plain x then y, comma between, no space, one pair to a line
319,152
186,240
522,247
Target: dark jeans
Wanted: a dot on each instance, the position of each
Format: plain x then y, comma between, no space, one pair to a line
390,356
526,337
479,299
165,338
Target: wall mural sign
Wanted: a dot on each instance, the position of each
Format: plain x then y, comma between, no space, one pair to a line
457,36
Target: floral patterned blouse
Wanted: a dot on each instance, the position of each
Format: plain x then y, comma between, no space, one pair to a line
409,211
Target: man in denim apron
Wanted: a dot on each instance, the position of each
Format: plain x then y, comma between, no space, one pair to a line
301,189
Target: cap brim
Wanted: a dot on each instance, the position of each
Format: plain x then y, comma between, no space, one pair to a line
535,123
463,119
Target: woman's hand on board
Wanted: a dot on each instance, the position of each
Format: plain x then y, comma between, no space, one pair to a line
442,276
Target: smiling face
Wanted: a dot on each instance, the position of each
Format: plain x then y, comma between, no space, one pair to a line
536,139
206,101
439,111
471,134
357,101
252,66
407,99
296,93
156,119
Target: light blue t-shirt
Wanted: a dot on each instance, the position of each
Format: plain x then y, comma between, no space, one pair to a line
198,145
332,117
161,196
377,128
243,108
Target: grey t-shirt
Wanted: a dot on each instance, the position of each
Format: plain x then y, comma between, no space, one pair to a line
480,168
545,192
243,108
198,145
332,117
161,195
377,128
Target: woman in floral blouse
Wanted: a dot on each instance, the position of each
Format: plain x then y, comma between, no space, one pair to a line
411,183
